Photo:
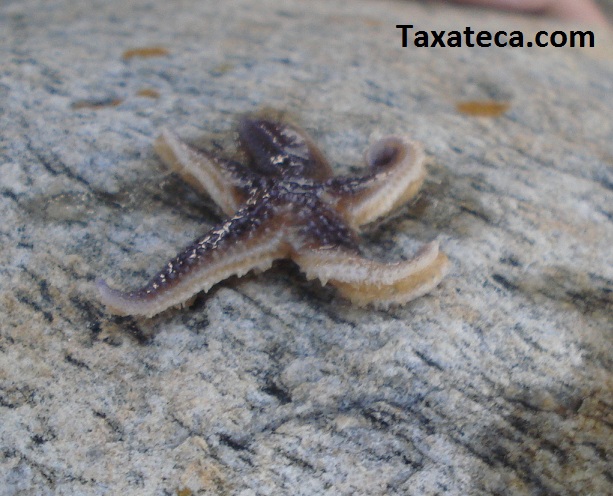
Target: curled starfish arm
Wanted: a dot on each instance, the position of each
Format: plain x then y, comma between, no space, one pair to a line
243,243
200,170
282,150
396,173
364,281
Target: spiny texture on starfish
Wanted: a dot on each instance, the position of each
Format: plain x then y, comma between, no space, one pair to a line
285,203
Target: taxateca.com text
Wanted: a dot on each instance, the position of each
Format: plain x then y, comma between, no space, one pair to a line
471,38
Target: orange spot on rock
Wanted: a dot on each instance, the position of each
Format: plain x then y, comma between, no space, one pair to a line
483,108
148,93
145,52
96,104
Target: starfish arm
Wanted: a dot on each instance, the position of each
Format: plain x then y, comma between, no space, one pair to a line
250,240
366,282
201,171
396,173
282,150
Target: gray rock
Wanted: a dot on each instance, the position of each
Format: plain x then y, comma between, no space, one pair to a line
497,382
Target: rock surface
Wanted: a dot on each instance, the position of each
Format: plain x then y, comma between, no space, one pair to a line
497,382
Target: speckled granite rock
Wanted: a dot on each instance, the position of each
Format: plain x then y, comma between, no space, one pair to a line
498,382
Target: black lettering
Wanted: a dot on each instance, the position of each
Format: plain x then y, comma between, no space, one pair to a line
537,39
454,39
421,39
467,33
497,41
582,35
484,39
438,38
553,37
517,39
405,29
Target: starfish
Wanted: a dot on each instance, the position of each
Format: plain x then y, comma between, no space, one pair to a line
286,203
